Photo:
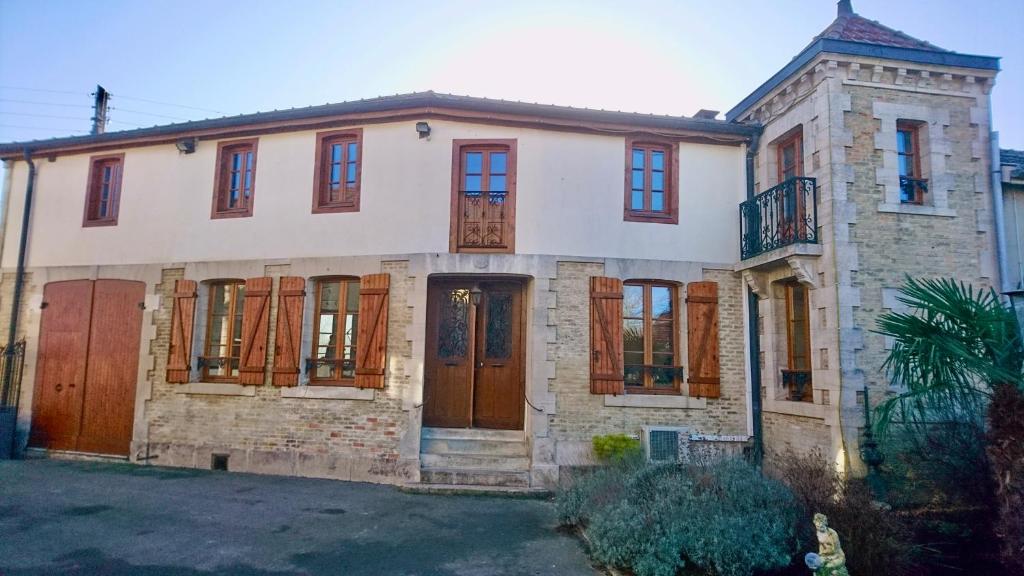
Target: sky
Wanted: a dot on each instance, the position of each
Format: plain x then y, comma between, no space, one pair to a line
164,61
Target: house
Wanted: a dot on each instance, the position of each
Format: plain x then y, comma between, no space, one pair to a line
455,290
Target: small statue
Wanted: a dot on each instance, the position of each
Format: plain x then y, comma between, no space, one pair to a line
830,560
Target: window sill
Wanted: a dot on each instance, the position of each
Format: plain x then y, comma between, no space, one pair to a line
329,393
99,223
651,218
655,401
335,208
232,214
216,389
916,209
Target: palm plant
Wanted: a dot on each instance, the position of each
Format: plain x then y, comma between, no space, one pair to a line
957,356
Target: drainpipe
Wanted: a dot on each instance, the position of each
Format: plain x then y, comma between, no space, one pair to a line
997,213
753,340
19,280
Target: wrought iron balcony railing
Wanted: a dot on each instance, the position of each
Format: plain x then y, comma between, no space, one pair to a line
782,215
912,190
798,384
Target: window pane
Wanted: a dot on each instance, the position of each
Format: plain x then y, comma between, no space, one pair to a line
636,202
634,375
336,153
658,161
353,152
905,165
474,163
661,302
905,142
632,301
657,201
497,184
633,335
352,297
473,184
633,358
638,159
335,175
662,338
657,181
350,174
350,332
638,180
220,299
236,162
329,295
499,161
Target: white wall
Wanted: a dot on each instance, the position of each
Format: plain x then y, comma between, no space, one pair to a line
569,202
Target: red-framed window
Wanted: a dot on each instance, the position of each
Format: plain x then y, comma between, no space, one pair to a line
652,182
103,196
338,168
235,186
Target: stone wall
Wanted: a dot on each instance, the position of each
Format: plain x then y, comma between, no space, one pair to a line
581,415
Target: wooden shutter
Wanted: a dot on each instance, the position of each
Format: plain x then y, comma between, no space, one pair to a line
255,328
606,375
290,300
183,317
372,334
702,340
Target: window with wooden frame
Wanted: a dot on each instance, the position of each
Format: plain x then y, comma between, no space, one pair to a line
652,182
336,324
483,196
790,155
222,350
103,194
338,173
798,342
235,182
913,186
650,329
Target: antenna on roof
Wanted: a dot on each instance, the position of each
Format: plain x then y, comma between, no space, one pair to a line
99,110
845,7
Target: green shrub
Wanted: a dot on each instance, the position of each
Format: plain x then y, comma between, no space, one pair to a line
722,517
612,447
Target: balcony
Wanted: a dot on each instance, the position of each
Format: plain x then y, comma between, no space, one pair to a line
798,385
780,216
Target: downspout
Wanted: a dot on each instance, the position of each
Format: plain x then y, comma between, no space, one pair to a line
997,211
754,352
19,280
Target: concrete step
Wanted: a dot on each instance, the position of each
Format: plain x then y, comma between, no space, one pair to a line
471,477
473,490
475,461
473,434
469,446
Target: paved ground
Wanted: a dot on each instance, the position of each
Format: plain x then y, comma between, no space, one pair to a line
60,517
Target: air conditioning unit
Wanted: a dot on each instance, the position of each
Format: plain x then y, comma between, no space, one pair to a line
665,443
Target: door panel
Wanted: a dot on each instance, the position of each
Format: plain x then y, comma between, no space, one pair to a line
88,361
109,402
61,364
448,374
498,384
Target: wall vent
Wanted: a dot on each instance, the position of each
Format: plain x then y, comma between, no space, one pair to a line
219,462
664,443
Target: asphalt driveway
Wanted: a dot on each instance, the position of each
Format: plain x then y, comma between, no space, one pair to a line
61,517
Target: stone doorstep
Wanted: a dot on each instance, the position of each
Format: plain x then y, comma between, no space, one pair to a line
476,462
476,477
473,447
476,490
43,453
473,434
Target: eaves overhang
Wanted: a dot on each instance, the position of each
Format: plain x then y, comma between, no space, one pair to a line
848,48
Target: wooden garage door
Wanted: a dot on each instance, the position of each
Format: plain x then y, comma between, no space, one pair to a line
87,366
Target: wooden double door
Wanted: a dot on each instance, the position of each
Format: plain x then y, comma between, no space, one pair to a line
87,367
474,355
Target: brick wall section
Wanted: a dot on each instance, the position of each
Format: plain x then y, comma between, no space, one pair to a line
581,415
346,439
786,434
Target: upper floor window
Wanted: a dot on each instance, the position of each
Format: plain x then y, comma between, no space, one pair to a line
104,191
338,168
483,196
236,179
223,349
649,333
336,324
651,182
913,186
790,155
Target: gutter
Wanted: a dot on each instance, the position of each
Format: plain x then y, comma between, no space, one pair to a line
753,339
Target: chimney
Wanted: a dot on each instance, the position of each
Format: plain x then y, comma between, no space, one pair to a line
845,8
99,109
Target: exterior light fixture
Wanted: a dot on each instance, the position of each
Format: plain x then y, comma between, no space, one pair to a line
475,293
423,129
186,145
